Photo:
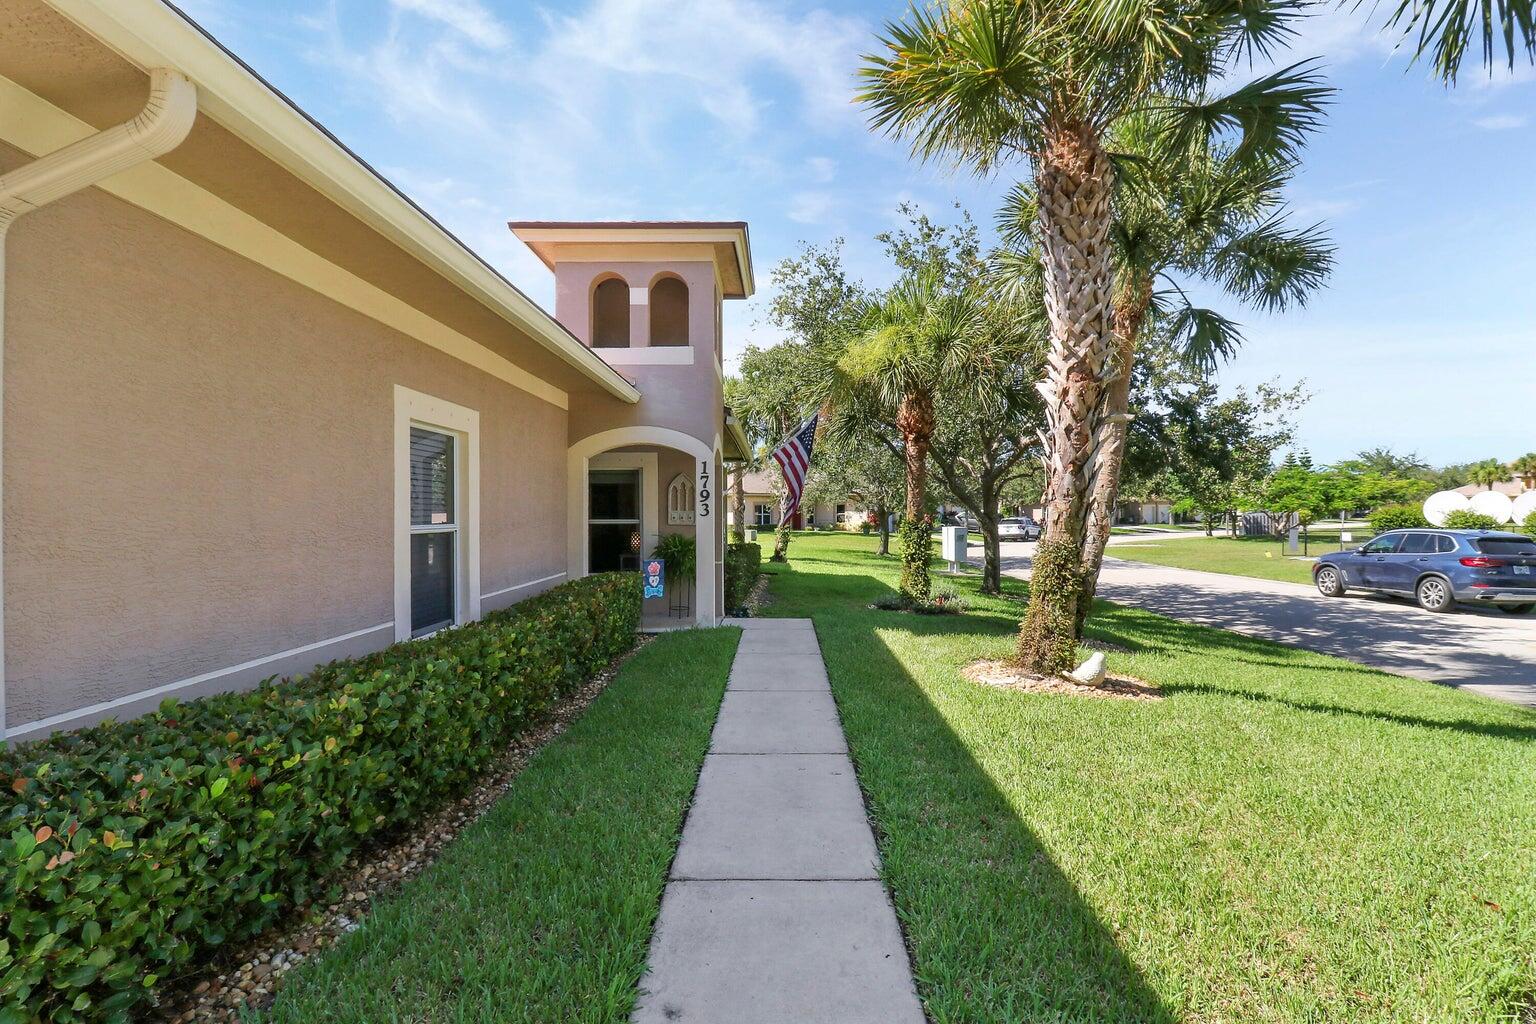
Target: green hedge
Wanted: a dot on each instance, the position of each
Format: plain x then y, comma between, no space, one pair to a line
134,850
1466,519
1397,517
743,562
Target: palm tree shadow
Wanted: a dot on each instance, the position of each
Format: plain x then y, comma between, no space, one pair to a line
1024,944
1155,634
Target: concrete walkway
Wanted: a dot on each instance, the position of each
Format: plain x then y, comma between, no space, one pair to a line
775,912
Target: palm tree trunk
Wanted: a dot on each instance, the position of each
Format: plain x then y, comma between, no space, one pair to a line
885,528
1073,180
739,506
915,420
1130,314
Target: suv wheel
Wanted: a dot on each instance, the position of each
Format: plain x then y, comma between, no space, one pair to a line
1434,594
1516,609
1328,582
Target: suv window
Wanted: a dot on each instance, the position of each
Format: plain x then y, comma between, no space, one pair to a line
1383,545
1420,544
1445,544
1506,545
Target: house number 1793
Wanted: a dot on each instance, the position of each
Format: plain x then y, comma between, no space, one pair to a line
703,488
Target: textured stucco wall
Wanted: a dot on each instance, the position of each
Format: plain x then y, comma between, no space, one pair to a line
199,462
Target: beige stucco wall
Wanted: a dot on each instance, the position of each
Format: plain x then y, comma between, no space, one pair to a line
198,463
684,397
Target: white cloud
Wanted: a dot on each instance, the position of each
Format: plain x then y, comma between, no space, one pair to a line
1310,210
821,169
708,52
809,207
466,17
1501,122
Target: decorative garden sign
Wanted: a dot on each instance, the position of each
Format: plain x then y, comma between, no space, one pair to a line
655,577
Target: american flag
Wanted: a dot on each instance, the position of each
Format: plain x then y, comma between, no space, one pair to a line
794,458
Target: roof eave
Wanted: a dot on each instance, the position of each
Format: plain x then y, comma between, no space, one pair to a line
152,33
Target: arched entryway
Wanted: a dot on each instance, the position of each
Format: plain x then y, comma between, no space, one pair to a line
653,458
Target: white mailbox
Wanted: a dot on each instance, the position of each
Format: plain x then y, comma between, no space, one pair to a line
953,542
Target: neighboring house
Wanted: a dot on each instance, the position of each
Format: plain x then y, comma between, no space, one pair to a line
1149,512
261,411
763,506
1513,487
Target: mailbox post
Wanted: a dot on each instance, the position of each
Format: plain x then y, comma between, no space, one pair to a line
953,543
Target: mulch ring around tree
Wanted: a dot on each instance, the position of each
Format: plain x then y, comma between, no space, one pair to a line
220,992
1004,675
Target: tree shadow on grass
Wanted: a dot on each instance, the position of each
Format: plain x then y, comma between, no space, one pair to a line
1154,634
998,932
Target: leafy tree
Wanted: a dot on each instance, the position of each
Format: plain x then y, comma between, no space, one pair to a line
863,466
816,305
769,399
987,81
986,441
1386,462
1219,451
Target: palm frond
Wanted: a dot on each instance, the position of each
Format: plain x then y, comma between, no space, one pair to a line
1202,337
1269,118
959,81
1446,30
1273,266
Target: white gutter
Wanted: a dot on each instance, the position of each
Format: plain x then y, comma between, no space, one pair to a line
160,127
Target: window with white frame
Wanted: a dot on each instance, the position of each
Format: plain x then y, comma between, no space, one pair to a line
437,519
810,516
762,515
680,501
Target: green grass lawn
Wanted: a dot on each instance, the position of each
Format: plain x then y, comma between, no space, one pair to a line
1263,557
1286,837
542,910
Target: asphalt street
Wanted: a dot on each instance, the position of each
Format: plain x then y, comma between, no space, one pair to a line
1481,650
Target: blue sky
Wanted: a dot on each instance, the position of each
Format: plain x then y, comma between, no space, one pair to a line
486,111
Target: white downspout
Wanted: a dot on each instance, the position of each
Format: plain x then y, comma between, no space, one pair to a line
159,128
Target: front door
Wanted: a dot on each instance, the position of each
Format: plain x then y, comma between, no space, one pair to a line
613,520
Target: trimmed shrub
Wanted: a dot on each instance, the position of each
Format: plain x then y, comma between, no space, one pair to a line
1397,517
1529,526
1466,519
743,562
134,849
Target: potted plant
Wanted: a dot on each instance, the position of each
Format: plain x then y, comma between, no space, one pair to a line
679,559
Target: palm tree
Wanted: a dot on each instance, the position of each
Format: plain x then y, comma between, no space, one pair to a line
1209,216
1525,468
909,342
983,82
1487,473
